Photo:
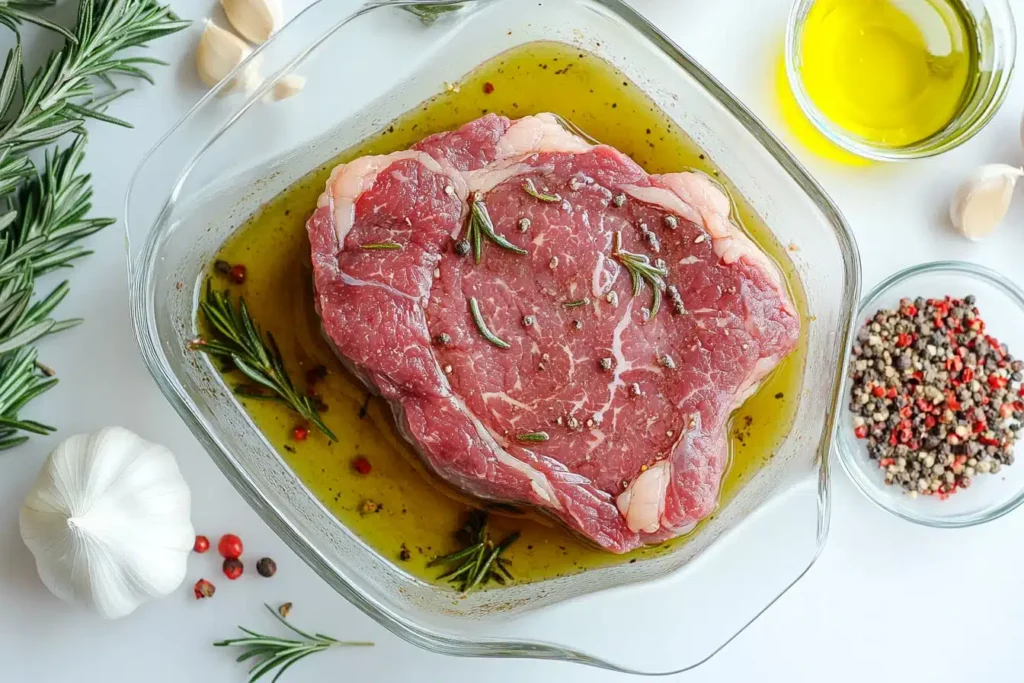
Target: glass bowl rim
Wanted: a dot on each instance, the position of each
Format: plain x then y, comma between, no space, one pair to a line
141,255
941,141
872,490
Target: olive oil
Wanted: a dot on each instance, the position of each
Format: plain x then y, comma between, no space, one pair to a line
891,72
397,506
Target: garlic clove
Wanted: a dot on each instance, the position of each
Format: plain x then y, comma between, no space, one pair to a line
286,87
981,202
219,52
256,20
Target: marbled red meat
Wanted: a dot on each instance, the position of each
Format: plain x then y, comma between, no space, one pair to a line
636,451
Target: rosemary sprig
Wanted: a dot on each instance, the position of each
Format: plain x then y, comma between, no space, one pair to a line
480,226
382,246
641,271
480,562
532,190
481,325
534,437
272,653
238,339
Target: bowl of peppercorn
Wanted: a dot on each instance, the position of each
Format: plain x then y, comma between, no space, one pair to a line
935,395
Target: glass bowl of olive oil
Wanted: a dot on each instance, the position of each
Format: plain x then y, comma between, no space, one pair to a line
900,79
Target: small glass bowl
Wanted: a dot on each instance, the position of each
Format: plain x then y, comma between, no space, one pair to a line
995,40
1001,304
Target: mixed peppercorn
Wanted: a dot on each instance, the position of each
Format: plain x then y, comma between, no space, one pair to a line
230,548
937,399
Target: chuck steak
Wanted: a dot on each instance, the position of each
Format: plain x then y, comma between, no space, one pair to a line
608,418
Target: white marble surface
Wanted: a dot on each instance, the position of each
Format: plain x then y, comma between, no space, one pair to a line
886,601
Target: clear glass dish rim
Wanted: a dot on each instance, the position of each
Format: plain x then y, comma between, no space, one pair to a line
408,630
940,142
846,457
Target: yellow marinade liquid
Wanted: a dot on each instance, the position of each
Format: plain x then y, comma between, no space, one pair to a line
891,72
398,505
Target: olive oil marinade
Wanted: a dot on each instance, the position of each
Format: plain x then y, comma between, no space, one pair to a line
398,506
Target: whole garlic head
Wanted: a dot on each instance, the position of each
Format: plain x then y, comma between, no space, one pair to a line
219,52
982,201
108,522
256,20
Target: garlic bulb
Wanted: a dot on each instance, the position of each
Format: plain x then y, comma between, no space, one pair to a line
221,51
982,201
256,20
108,521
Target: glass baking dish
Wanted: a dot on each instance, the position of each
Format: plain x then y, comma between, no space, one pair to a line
233,152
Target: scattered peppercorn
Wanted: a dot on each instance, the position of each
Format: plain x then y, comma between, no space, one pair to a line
238,274
443,339
201,545
671,222
233,568
619,200
362,465
230,547
488,88
203,589
524,224
529,321
606,363
222,267
577,325
266,567
404,555
934,396
369,507
462,248
285,609
300,433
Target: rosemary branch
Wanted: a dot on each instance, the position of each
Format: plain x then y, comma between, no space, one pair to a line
46,212
481,226
480,562
237,338
641,271
273,652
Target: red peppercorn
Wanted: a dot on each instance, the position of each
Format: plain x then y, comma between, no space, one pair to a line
238,274
488,88
300,433
861,432
878,392
230,547
203,589
201,545
362,465
232,568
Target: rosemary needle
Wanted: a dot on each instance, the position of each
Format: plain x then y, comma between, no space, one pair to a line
480,562
273,652
532,190
534,437
480,226
481,325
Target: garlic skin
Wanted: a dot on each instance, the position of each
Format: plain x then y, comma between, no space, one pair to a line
981,202
218,53
108,522
256,20
286,87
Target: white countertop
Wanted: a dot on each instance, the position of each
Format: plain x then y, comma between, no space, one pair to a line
886,601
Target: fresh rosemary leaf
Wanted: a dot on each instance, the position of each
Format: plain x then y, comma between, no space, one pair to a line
480,226
237,337
585,301
641,272
479,562
382,246
534,437
478,319
13,12
273,653
532,190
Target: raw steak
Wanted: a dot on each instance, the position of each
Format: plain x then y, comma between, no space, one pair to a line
635,407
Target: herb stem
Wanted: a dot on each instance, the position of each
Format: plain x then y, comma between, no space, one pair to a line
532,190
480,226
535,437
381,246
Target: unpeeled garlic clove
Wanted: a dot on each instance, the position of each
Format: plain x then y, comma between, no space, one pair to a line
982,201
286,87
218,53
256,20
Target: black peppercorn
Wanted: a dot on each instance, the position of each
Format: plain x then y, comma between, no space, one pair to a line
462,248
266,567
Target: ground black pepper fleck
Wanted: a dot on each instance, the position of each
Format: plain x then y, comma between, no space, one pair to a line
937,400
